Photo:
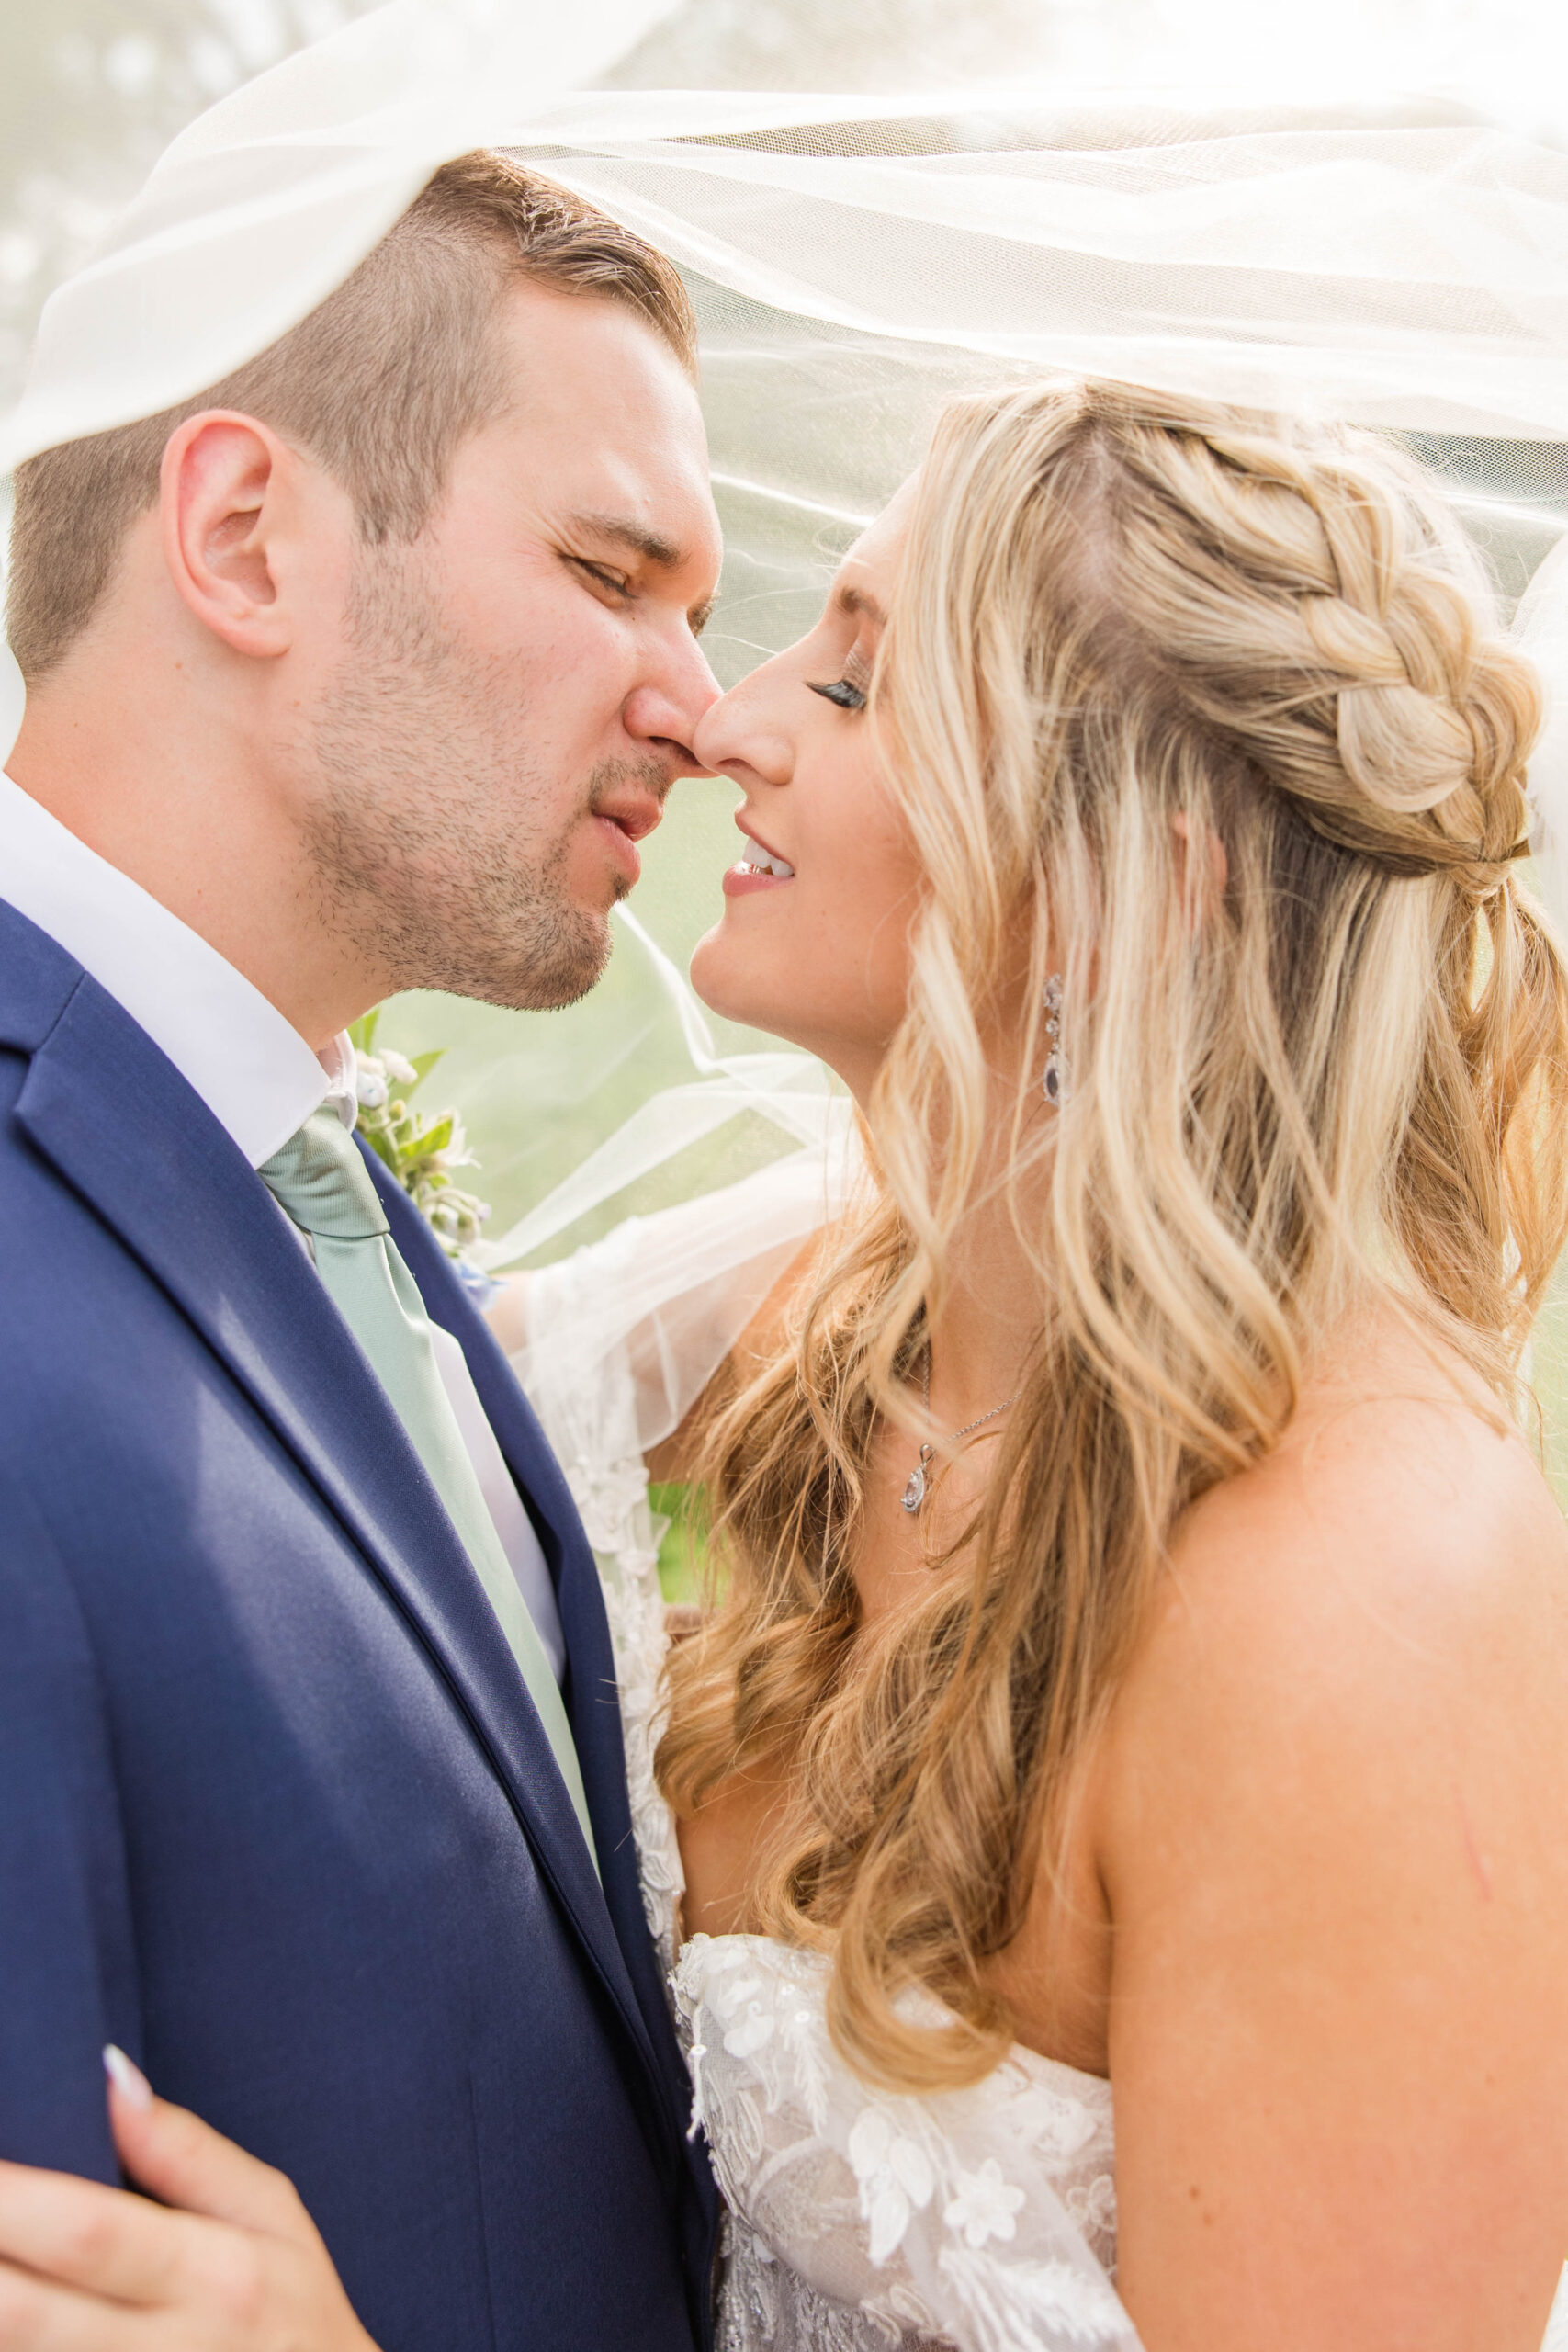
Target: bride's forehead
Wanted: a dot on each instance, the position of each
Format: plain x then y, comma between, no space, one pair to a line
867,574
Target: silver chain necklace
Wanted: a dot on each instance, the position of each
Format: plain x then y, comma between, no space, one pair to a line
919,1482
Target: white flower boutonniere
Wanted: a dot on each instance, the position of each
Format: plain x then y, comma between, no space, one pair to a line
422,1150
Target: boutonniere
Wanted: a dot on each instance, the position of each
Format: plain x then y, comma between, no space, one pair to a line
422,1149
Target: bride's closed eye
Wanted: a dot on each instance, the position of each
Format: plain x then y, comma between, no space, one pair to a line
848,692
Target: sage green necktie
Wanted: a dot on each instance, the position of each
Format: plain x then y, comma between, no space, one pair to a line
320,1179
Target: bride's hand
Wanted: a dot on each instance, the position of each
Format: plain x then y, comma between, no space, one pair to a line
238,2267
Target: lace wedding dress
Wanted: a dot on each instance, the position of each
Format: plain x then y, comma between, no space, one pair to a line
981,2220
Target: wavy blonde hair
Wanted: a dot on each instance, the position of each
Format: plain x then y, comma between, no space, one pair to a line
1343,1071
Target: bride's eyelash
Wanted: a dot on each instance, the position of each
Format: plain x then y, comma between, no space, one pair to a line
850,692
839,691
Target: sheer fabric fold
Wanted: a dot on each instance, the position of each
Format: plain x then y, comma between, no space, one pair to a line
854,258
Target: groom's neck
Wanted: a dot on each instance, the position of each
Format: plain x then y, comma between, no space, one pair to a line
183,791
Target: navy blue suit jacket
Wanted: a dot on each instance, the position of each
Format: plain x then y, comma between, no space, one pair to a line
276,1812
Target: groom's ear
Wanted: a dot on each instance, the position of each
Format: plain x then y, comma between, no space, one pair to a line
229,502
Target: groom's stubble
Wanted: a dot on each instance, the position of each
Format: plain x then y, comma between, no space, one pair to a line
438,836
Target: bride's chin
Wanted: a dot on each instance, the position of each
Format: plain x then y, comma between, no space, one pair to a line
727,978
715,980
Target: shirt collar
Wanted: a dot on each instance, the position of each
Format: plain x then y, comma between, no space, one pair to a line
250,1066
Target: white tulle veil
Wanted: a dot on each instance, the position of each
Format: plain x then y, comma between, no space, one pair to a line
1401,262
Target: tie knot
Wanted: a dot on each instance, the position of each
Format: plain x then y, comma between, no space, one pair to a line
323,1183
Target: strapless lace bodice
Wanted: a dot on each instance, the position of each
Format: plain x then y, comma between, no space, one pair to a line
983,2218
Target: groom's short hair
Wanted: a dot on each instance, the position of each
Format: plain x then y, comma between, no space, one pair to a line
381,382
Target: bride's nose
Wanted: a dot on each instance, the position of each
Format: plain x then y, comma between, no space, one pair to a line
741,730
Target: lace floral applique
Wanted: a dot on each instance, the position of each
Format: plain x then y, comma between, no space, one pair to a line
893,2218
896,2181
987,2206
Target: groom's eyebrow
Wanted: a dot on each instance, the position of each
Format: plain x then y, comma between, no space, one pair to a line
625,530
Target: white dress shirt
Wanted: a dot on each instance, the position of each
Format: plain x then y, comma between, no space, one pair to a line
250,1067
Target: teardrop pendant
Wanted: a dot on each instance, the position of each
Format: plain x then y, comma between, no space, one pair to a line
915,1492
1053,1079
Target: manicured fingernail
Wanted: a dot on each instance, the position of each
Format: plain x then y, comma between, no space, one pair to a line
127,2079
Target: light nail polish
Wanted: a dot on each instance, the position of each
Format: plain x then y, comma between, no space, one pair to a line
127,2078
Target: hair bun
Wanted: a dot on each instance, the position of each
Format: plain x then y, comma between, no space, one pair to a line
1432,723
1408,752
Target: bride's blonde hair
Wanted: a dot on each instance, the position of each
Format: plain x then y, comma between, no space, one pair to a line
1127,629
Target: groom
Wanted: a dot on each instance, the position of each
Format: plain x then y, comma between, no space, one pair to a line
364,671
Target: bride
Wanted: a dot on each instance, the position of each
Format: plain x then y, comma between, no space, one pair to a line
1137,1677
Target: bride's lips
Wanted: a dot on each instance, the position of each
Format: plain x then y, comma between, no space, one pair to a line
744,880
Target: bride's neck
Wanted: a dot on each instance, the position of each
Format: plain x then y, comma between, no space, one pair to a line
989,1321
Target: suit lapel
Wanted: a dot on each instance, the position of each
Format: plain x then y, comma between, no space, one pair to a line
591,1696
128,1133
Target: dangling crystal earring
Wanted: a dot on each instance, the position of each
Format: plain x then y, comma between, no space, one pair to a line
1053,1085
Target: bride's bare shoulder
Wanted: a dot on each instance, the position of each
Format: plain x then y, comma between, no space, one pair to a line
1329,1815
1401,1504
1395,1571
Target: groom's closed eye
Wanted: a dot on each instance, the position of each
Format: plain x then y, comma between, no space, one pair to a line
616,585
658,551
613,584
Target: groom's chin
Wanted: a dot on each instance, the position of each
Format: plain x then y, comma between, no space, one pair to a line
546,968
562,979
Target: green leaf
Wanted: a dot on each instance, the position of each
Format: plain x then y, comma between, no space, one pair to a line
361,1032
423,1064
435,1138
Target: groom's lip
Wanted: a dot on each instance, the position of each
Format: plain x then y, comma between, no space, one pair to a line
625,818
635,813
622,844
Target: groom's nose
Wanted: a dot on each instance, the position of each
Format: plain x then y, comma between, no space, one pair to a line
665,713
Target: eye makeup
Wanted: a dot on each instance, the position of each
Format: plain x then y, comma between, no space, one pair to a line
850,691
